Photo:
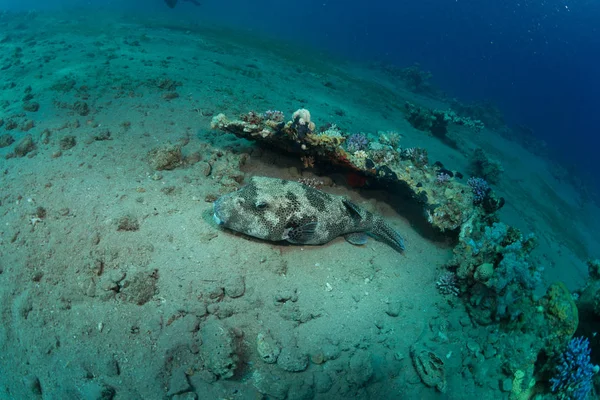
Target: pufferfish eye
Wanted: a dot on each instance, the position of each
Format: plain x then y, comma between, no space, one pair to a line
261,205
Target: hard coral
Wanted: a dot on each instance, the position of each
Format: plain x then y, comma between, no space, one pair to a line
357,142
561,310
574,371
274,115
301,123
252,118
417,155
447,283
479,188
442,178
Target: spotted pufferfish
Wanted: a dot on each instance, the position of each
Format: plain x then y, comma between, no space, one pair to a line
281,210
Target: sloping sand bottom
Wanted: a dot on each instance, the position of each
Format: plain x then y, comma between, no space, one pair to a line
116,282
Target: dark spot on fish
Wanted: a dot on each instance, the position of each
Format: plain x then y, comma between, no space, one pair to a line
291,197
316,198
250,192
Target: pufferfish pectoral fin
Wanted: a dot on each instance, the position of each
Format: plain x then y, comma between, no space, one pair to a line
357,238
301,234
352,209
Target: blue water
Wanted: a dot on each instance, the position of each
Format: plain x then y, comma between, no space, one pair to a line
82,222
537,60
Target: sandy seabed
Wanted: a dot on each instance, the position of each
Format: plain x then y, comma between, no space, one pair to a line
116,283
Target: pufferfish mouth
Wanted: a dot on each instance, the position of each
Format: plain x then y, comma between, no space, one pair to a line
216,217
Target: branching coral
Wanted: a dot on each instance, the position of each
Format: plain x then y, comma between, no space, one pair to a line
357,142
574,371
479,188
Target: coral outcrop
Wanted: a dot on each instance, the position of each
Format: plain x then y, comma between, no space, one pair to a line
446,207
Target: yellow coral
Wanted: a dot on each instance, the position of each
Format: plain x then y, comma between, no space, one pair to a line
562,307
324,140
522,390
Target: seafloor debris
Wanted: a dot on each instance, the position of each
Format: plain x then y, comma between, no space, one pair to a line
167,157
218,350
268,349
446,206
430,368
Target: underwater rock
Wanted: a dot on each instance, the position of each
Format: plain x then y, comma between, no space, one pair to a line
102,135
483,166
437,121
140,289
32,382
360,368
31,106
178,382
218,349
393,308
6,140
45,136
267,348
96,390
165,158
323,382
67,142
27,125
81,108
128,223
271,385
24,146
11,124
234,286
292,359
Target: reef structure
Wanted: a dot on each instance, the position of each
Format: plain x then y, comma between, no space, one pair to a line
446,206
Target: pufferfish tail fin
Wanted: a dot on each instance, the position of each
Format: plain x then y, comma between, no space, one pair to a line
387,234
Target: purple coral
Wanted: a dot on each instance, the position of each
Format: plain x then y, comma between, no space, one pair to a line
574,371
442,178
356,142
480,189
274,115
